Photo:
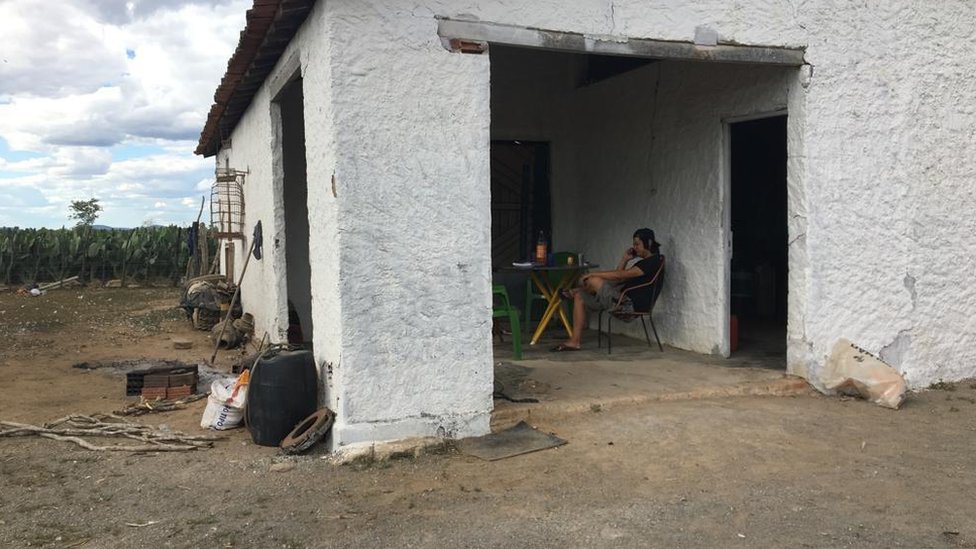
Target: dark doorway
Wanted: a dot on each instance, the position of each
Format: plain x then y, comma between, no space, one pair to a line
759,237
520,199
295,199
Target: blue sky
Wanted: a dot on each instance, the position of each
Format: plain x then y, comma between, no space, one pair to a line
106,99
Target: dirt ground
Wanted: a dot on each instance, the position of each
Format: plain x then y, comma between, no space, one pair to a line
801,471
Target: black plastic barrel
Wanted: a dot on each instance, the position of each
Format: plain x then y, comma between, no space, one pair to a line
283,391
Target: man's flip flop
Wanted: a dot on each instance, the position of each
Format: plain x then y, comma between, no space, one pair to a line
566,294
563,347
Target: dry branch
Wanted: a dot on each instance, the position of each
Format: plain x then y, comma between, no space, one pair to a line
153,406
72,428
58,284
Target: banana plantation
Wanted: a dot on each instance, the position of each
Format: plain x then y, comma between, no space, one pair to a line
146,254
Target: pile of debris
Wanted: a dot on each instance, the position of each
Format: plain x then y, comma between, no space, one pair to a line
205,299
233,332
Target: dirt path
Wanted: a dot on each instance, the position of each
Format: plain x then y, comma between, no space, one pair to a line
802,471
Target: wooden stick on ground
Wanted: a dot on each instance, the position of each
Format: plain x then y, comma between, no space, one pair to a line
120,448
72,428
153,406
57,284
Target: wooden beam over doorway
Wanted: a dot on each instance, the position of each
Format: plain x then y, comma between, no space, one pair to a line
511,35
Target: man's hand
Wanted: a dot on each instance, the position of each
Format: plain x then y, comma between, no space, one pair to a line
629,254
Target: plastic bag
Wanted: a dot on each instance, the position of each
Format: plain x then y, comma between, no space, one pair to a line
226,403
853,371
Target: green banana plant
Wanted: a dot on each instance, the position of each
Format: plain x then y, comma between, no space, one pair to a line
42,255
11,250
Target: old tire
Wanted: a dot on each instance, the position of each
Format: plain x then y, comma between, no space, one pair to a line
308,432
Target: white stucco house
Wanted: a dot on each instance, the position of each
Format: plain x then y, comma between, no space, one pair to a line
368,133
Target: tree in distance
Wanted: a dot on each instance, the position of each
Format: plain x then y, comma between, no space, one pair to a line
85,211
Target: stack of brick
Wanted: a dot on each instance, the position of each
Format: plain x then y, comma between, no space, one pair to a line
168,386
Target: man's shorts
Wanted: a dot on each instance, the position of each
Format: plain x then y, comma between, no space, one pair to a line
606,299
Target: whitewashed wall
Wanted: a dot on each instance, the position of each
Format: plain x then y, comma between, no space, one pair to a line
881,148
411,126
264,280
881,142
889,148
315,40
252,147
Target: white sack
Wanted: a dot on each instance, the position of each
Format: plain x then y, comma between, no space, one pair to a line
851,370
225,405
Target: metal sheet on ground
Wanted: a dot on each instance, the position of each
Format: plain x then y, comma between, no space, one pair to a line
514,441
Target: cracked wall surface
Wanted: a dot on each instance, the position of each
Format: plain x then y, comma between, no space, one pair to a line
881,145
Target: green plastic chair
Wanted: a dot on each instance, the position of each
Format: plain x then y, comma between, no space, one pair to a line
502,308
532,293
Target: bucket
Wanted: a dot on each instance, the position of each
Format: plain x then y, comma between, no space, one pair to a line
283,391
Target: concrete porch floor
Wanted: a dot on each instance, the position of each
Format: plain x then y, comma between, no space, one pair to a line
590,380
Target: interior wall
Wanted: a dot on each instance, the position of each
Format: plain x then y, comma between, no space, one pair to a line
295,196
530,93
643,148
525,88
651,153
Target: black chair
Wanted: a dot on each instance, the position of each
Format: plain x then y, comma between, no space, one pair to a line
654,286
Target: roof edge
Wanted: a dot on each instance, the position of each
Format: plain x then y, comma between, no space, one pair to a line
270,27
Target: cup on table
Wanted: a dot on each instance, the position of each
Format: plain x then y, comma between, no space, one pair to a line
570,260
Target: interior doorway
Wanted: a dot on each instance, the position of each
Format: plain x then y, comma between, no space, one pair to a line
290,103
520,199
521,208
759,262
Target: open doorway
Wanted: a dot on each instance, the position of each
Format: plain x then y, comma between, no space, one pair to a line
759,265
636,142
290,104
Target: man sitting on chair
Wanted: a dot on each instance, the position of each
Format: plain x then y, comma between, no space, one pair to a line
601,290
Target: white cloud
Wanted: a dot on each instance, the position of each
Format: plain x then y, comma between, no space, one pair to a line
80,162
122,11
48,49
204,185
80,79
129,190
